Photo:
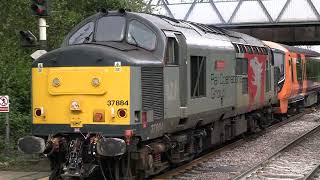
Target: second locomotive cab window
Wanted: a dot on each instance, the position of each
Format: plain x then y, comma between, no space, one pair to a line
141,35
198,76
110,28
279,62
172,52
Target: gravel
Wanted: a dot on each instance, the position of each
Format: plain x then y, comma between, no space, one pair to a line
293,163
232,162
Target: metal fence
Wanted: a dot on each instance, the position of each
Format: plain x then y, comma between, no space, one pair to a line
239,11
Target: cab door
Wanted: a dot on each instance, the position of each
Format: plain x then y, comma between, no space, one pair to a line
175,82
294,71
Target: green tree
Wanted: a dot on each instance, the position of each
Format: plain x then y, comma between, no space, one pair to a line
15,61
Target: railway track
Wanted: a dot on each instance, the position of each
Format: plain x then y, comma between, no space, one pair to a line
187,171
293,161
314,174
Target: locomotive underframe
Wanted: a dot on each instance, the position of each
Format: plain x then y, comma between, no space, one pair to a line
127,157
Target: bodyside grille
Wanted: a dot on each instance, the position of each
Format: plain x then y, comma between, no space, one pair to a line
152,90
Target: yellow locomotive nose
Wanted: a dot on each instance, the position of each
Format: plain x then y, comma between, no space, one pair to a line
79,96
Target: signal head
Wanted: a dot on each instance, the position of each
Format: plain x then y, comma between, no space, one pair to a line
39,7
28,39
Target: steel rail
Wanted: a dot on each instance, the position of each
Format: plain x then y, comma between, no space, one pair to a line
181,169
312,173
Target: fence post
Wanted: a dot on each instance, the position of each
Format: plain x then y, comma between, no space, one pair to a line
7,138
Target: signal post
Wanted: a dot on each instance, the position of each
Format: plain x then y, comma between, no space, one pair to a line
40,8
4,108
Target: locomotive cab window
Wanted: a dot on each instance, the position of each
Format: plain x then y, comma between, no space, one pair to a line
82,35
172,52
198,76
110,28
279,62
140,35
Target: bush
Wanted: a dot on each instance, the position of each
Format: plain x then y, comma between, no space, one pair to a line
20,125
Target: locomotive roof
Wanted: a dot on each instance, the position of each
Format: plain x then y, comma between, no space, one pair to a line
306,52
189,29
168,23
286,48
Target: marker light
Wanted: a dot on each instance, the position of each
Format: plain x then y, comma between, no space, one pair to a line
39,111
122,113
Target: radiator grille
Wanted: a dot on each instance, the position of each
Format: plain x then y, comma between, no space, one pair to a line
152,90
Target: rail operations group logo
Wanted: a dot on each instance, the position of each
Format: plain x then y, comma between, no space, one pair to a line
4,104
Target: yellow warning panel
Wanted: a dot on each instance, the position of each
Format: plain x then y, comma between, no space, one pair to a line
72,95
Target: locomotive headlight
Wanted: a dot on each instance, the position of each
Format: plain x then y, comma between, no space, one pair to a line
56,82
95,82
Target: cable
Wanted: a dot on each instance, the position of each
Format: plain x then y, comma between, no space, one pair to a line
128,173
101,169
109,168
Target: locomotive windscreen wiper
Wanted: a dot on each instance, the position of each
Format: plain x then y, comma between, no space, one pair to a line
134,40
87,38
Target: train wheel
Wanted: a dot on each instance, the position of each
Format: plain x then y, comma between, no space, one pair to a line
252,125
